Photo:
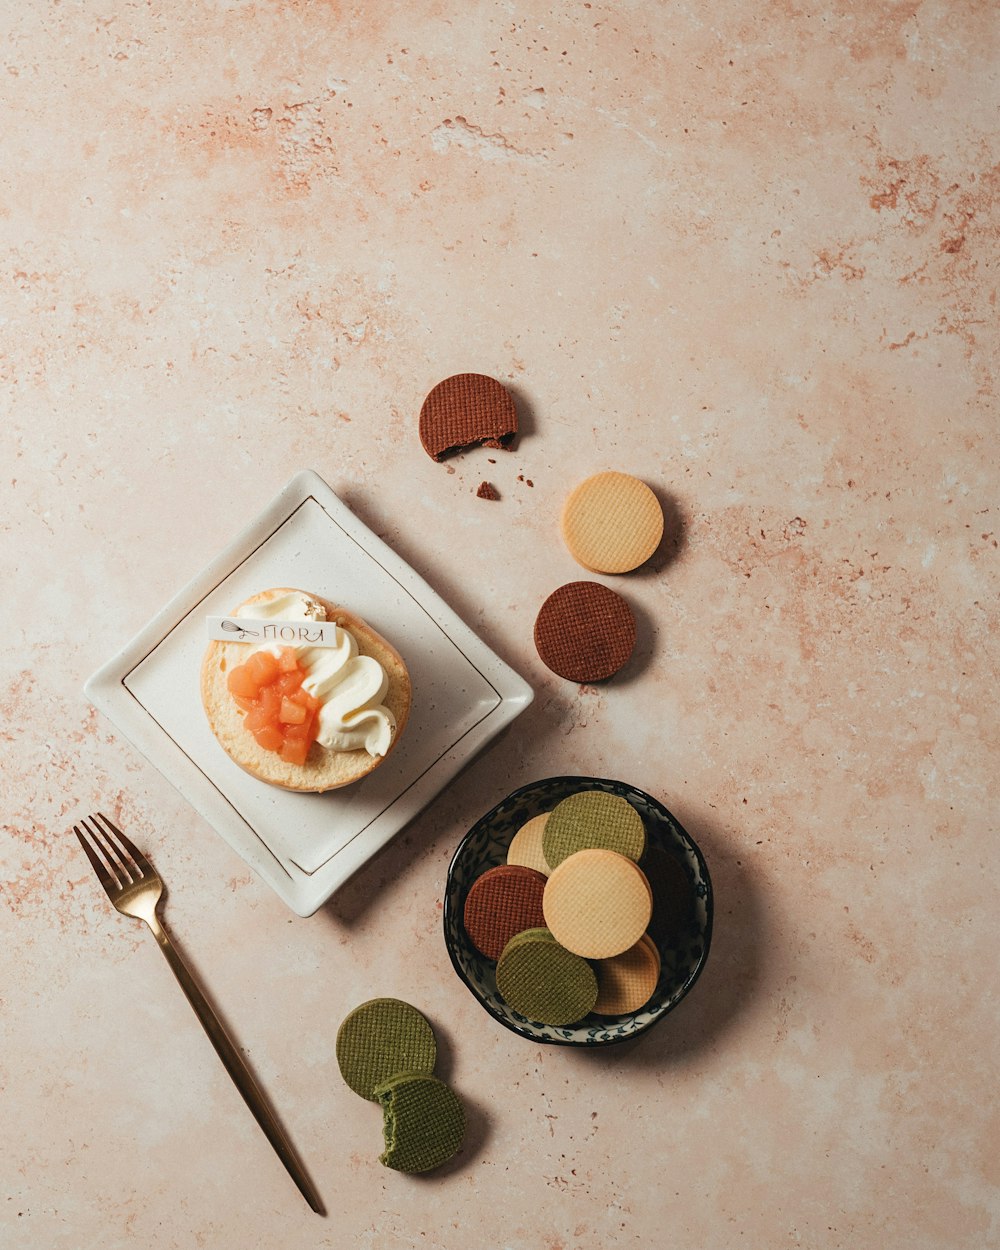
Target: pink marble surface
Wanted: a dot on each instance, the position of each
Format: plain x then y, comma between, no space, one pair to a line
748,252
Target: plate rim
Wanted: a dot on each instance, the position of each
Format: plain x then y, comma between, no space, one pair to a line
305,892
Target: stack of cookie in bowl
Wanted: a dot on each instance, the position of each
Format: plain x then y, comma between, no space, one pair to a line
583,922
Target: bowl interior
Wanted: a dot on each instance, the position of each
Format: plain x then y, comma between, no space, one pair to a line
485,846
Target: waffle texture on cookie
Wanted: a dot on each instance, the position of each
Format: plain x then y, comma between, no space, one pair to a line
591,819
380,1038
585,632
526,845
465,410
503,901
612,523
423,1121
597,903
544,981
626,982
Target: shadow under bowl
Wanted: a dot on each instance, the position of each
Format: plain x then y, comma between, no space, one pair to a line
682,956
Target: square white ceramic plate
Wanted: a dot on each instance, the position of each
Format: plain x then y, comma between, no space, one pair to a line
307,845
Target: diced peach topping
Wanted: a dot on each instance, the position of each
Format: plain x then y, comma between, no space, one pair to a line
281,715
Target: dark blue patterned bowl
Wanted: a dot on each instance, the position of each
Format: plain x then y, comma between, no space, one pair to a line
485,846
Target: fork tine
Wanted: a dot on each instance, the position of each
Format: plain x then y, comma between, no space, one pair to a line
113,854
140,861
108,852
109,882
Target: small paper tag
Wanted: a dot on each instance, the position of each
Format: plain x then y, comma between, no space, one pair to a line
272,632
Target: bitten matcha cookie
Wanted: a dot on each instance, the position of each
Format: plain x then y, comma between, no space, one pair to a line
585,632
612,523
597,903
545,982
503,901
591,819
626,982
526,845
423,1121
466,410
380,1038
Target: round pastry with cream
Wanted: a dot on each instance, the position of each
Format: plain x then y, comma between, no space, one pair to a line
301,716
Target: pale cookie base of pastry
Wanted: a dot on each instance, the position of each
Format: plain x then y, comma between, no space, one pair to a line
612,523
324,769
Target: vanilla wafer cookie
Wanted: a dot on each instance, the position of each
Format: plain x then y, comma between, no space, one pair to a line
611,523
380,1038
597,903
627,981
526,845
503,901
466,410
585,632
589,819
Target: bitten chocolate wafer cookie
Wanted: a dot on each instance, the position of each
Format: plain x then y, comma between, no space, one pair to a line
585,632
505,900
466,410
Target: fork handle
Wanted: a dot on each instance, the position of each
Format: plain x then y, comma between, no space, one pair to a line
237,1068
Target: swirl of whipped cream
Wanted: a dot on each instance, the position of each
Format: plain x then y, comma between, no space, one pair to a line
349,686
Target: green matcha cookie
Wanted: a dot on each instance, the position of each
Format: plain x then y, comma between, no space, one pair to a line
380,1038
424,1122
593,820
544,981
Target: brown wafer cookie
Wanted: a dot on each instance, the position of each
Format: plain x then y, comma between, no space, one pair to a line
612,523
585,632
502,902
466,410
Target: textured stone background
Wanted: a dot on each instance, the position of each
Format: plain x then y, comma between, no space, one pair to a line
747,252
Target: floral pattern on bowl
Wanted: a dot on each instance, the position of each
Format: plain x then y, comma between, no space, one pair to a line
485,846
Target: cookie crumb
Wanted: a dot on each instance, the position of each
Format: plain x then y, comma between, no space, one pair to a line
487,491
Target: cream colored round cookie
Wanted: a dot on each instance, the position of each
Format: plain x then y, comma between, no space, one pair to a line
324,769
597,903
611,523
526,845
626,982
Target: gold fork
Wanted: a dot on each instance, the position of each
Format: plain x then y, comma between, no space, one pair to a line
134,887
